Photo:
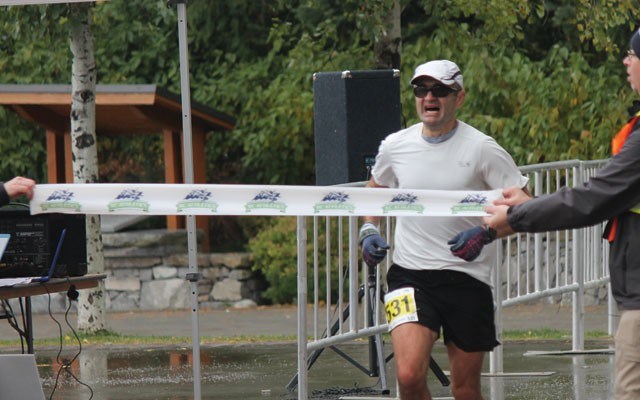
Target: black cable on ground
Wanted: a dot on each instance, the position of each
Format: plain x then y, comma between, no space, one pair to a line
72,294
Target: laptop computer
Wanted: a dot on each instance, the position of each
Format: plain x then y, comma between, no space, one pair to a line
4,241
54,260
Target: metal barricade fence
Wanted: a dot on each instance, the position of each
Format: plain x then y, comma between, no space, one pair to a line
544,265
342,300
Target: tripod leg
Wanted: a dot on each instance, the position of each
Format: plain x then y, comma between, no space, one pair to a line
377,367
381,365
437,371
313,357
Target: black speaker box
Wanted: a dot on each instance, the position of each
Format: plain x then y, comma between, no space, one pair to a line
33,242
353,111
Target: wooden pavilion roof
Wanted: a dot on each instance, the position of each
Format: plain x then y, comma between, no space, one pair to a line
120,109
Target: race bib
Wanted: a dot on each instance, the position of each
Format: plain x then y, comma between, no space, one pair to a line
400,307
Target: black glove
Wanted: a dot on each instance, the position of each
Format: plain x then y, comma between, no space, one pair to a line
468,244
374,248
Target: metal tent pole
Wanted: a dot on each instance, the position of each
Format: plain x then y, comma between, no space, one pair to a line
302,306
193,276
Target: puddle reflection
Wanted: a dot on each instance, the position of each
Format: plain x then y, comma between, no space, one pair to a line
260,372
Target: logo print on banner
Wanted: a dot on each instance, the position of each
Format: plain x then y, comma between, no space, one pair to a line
60,200
266,199
199,199
129,199
403,202
334,201
471,203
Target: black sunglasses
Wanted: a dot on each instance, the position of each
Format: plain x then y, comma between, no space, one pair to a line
437,90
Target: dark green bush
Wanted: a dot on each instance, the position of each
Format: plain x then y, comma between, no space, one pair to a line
274,251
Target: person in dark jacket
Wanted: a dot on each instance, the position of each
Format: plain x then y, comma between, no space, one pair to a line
16,187
614,195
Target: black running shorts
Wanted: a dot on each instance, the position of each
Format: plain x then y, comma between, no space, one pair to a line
452,301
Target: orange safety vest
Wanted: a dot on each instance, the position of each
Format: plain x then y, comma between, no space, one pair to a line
616,145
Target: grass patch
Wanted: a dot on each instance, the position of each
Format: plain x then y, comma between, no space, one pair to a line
108,338
549,334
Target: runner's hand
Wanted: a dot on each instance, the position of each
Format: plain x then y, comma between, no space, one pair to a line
468,244
374,247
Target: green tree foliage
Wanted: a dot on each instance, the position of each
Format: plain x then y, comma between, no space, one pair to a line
544,78
22,145
255,60
23,155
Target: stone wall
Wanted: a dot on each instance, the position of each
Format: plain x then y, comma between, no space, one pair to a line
146,270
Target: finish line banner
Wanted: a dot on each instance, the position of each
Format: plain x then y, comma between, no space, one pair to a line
203,199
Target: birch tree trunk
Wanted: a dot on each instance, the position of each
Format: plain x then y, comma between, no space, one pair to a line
91,303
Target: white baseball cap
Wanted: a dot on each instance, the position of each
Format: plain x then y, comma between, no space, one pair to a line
445,71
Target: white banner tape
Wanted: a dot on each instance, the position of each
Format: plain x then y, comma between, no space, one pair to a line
203,199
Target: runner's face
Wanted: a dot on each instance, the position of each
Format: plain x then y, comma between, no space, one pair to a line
438,113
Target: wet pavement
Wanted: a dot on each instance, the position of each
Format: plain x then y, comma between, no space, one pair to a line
262,371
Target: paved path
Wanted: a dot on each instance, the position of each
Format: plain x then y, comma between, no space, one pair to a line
537,316
282,321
